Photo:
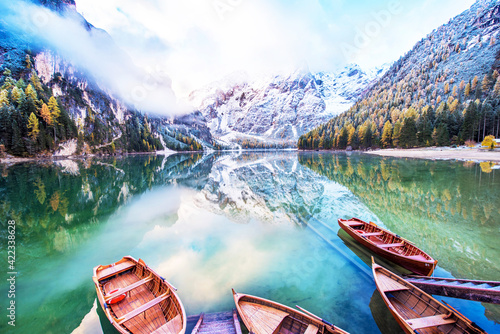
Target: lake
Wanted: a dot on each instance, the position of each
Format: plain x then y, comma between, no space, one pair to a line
261,223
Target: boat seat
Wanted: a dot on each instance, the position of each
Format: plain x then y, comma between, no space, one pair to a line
129,287
432,321
173,326
371,234
116,269
398,244
142,308
311,329
355,224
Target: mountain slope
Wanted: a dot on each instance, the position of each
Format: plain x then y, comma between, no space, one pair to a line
38,76
280,108
445,90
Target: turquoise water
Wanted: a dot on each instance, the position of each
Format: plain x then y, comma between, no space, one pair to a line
262,223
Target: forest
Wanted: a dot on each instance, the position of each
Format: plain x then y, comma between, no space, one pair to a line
388,117
438,94
34,122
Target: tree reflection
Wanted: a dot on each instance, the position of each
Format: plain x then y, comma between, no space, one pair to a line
449,209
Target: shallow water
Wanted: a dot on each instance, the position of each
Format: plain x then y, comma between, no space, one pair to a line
262,223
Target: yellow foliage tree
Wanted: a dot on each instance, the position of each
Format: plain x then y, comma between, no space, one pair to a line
30,92
34,125
467,90
474,83
4,98
45,113
489,142
55,112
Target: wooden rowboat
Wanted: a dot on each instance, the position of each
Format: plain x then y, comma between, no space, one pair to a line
416,311
137,300
262,316
389,245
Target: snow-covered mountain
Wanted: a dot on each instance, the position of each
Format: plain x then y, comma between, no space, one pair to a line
282,107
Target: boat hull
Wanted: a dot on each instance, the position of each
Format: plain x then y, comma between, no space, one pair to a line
273,315
416,311
151,303
417,266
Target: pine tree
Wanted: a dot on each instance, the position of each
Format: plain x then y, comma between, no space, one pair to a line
387,135
496,88
17,144
34,125
45,113
8,82
31,93
55,112
4,98
35,80
462,85
351,138
15,94
474,83
28,62
467,90
454,105
495,75
408,137
343,136
396,132
485,83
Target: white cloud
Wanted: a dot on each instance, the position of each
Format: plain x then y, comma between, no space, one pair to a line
198,41
95,52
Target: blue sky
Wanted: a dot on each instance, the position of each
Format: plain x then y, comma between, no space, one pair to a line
198,41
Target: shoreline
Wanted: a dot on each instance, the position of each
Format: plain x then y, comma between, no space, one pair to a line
441,153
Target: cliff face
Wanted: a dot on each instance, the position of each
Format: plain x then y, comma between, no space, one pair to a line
87,96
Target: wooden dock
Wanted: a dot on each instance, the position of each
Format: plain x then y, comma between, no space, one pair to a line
218,323
482,291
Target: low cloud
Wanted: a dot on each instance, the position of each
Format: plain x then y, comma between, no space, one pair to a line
199,41
93,51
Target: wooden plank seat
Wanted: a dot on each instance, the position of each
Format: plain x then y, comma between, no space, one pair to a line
173,326
116,269
398,244
388,285
142,308
129,287
371,234
355,224
432,321
311,329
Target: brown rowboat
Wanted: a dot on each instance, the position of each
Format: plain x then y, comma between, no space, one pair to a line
137,300
389,245
416,311
262,316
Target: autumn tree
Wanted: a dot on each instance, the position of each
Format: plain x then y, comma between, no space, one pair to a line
396,132
485,83
387,135
45,113
467,90
474,83
489,142
30,92
34,126
4,98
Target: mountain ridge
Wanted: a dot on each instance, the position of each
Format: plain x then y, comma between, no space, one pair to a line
279,108
443,91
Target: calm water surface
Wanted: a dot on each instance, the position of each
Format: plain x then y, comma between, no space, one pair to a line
262,223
